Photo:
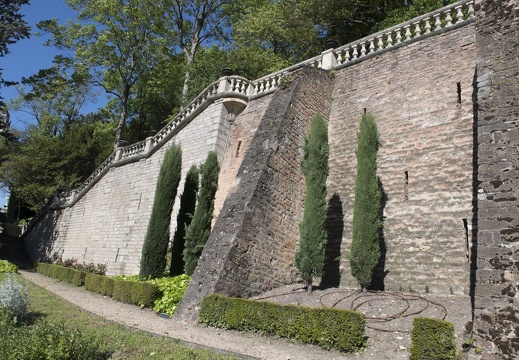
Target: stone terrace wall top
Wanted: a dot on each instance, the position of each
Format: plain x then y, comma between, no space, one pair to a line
237,87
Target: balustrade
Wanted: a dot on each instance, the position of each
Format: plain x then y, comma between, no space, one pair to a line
448,16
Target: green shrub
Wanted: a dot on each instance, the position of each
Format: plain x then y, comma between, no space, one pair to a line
136,293
100,284
7,267
365,245
198,231
313,237
14,297
184,217
45,341
172,289
328,328
155,248
91,268
62,273
432,339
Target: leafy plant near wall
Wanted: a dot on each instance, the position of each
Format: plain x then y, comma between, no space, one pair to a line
198,231
185,215
153,260
310,255
432,339
7,267
365,246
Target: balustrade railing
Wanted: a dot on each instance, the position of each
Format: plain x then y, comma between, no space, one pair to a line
433,22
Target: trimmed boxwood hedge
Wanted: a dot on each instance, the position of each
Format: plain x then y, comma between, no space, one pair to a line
432,339
100,284
62,273
327,328
130,292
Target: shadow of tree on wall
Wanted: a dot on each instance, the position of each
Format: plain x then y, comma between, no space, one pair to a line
41,245
334,228
380,271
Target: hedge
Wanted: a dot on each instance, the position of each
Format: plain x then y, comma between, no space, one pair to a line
130,292
135,293
327,328
62,273
432,339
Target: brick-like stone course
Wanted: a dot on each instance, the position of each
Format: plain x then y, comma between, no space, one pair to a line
252,246
108,224
496,296
424,161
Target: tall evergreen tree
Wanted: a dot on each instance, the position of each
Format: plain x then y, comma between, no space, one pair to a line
313,237
154,250
185,215
198,231
365,246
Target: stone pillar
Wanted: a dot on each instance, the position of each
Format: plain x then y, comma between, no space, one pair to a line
496,283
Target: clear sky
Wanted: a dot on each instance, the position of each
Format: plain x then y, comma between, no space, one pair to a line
27,56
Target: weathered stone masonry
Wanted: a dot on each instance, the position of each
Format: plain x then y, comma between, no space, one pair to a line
496,322
444,90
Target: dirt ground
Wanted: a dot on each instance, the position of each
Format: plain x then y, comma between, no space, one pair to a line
389,320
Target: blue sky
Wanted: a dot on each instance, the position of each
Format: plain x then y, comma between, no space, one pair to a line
27,56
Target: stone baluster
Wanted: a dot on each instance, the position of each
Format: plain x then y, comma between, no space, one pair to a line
407,32
363,49
448,18
427,25
437,22
380,42
355,54
459,13
417,30
371,45
389,40
471,10
398,36
338,57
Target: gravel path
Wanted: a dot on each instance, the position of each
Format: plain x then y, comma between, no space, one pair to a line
389,313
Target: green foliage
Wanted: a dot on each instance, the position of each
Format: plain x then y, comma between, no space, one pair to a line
313,237
14,297
7,267
185,215
136,293
14,28
198,231
62,273
153,260
45,341
328,328
100,284
365,246
414,9
172,289
40,162
165,292
432,339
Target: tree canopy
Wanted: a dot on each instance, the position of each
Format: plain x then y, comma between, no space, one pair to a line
150,58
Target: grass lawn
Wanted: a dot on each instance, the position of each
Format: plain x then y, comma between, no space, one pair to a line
121,342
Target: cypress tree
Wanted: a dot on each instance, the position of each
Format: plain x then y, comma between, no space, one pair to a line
198,231
311,252
365,246
154,250
185,215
